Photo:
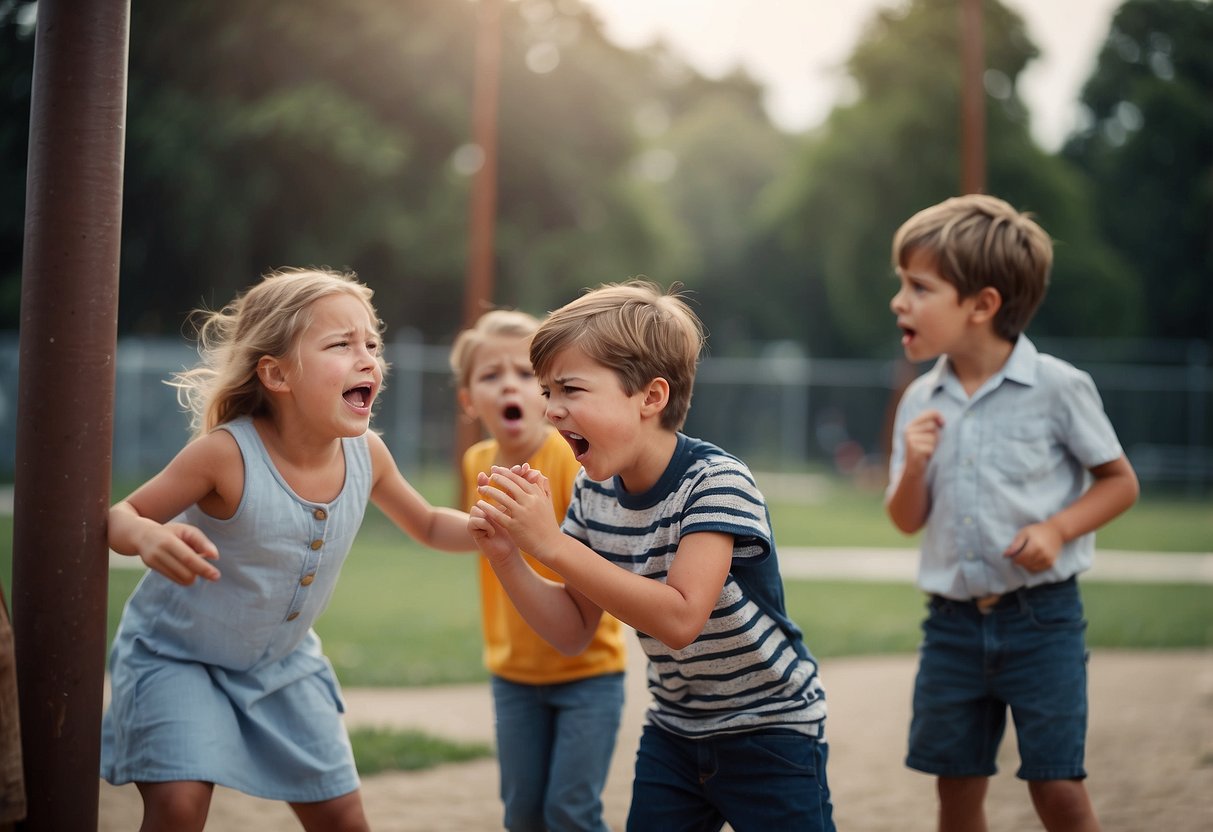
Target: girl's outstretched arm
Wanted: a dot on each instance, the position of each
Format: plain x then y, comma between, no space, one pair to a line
436,526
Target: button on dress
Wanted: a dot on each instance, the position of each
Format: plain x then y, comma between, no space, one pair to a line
225,681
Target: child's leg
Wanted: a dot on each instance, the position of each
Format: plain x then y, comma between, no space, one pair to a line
772,780
1045,682
1063,805
667,793
175,806
957,723
525,724
341,814
587,721
961,804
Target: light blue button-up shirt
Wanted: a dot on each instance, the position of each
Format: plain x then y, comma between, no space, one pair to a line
1013,454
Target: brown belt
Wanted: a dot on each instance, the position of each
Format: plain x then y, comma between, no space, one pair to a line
986,604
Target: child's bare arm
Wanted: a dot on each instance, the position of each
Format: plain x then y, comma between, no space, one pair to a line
208,471
177,551
438,527
563,616
910,503
673,612
1114,489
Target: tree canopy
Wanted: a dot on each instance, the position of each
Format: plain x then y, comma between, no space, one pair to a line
895,150
299,132
1147,150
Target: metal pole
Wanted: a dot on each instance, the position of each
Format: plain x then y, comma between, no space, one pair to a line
478,292
973,100
65,397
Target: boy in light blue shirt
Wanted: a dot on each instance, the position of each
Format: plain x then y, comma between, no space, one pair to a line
1006,457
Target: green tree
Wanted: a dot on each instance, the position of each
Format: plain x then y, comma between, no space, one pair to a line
281,132
894,150
16,67
1148,150
724,153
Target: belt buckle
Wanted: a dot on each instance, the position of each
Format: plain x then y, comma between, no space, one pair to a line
986,604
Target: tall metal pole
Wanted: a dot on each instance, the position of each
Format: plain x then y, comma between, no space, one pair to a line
973,100
478,291
65,396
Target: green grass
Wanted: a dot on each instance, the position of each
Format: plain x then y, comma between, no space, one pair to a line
1158,524
381,749
841,618
403,615
847,516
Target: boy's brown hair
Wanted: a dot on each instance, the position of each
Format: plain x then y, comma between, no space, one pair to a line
977,241
492,324
635,329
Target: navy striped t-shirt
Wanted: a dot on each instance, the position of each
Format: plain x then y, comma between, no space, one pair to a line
749,669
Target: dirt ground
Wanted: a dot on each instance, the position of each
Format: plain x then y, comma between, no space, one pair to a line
1149,755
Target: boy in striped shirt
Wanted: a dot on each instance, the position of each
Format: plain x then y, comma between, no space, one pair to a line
670,535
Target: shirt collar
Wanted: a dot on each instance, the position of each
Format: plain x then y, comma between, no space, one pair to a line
1021,364
1020,367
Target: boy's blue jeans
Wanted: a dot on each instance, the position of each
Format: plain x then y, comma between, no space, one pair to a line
758,782
1028,654
554,746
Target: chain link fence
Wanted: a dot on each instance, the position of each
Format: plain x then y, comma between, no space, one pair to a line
782,411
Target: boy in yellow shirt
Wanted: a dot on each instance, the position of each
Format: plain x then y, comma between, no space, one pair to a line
557,715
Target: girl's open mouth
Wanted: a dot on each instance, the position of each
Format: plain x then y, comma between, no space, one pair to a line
360,396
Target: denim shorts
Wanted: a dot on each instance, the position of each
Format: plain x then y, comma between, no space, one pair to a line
757,782
1027,654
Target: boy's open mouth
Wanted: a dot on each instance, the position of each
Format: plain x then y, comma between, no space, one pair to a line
359,396
577,442
511,413
907,334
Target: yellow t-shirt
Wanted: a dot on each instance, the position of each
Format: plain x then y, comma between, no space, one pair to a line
512,650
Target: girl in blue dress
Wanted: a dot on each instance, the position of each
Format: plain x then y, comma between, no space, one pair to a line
216,674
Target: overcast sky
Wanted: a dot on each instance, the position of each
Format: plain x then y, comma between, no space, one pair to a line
797,47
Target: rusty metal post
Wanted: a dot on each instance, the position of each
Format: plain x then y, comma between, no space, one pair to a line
972,99
478,290
65,396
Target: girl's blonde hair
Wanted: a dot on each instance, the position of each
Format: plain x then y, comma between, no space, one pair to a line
634,328
495,323
265,320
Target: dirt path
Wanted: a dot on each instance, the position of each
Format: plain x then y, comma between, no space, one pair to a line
1149,754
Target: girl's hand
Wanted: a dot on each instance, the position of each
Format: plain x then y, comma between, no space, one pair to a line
493,542
519,502
179,552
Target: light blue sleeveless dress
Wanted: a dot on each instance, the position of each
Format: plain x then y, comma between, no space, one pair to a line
225,681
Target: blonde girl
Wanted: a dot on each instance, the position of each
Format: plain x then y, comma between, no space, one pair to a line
222,680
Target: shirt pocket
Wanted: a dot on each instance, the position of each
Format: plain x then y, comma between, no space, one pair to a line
1023,452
